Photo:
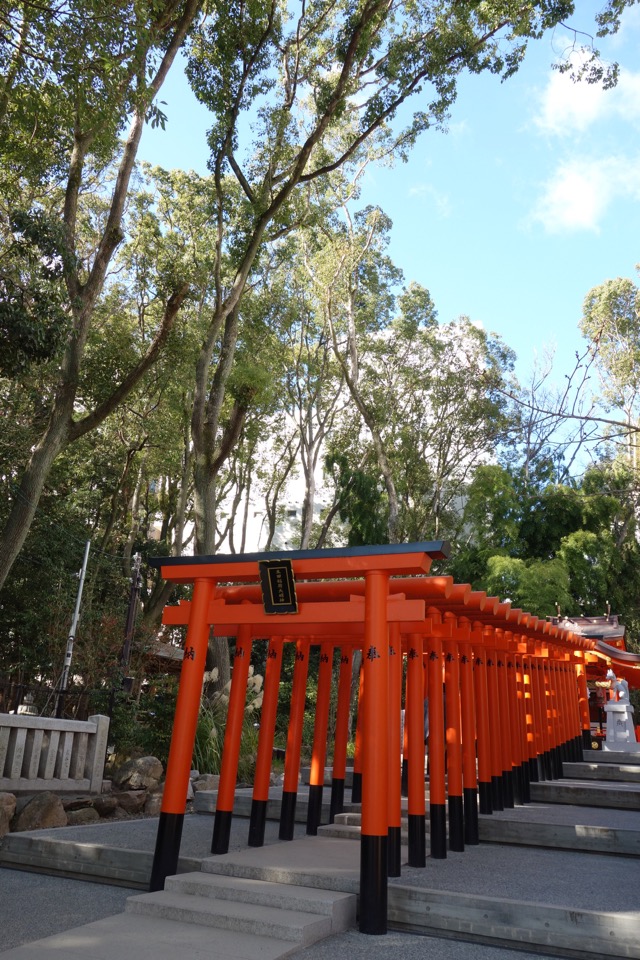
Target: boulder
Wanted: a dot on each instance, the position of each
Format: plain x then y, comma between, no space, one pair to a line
139,774
105,804
131,801
7,810
84,815
42,810
153,803
75,803
208,781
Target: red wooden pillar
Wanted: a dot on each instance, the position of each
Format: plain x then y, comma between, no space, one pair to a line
356,784
514,713
232,740
320,728
174,798
525,782
469,754
268,714
505,720
453,739
294,742
437,789
495,721
414,733
481,690
583,699
539,712
394,774
342,733
530,720
375,756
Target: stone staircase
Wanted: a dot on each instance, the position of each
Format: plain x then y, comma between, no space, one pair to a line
272,917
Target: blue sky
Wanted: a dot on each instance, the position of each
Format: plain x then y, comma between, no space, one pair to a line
530,200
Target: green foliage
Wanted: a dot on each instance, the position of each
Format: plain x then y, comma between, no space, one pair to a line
33,317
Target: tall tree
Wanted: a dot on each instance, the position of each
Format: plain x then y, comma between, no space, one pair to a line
73,75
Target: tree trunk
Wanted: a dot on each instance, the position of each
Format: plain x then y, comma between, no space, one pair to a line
31,486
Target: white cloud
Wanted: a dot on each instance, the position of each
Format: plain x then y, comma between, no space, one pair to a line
567,107
440,200
580,192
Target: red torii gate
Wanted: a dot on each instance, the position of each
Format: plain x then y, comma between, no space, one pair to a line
522,723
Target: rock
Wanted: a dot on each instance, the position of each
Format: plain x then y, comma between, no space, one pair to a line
190,790
153,804
131,801
76,803
42,810
194,774
105,804
139,774
7,810
84,815
208,781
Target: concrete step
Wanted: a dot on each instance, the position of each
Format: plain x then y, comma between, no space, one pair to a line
498,828
339,907
278,924
205,802
558,930
152,938
612,756
88,861
593,770
623,796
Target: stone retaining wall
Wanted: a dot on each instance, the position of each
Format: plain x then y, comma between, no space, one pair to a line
43,753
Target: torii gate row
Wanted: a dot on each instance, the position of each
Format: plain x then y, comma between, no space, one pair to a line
515,688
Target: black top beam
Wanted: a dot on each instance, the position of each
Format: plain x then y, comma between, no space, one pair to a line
436,549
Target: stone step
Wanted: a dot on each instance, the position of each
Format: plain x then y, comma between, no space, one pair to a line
623,796
339,907
587,838
558,930
70,858
263,921
612,756
594,770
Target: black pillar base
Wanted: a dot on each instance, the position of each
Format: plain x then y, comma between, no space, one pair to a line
456,824
404,779
356,788
484,793
547,764
288,814
507,789
314,810
373,885
221,831
497,801
417,841
393,852
337,798
165,858
438,821
257,823
470,800
534,773
517,784
586,739
526,784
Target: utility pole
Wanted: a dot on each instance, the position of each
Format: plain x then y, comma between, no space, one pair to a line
64,679
134,596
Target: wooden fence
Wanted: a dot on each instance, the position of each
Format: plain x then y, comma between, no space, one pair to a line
42,753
